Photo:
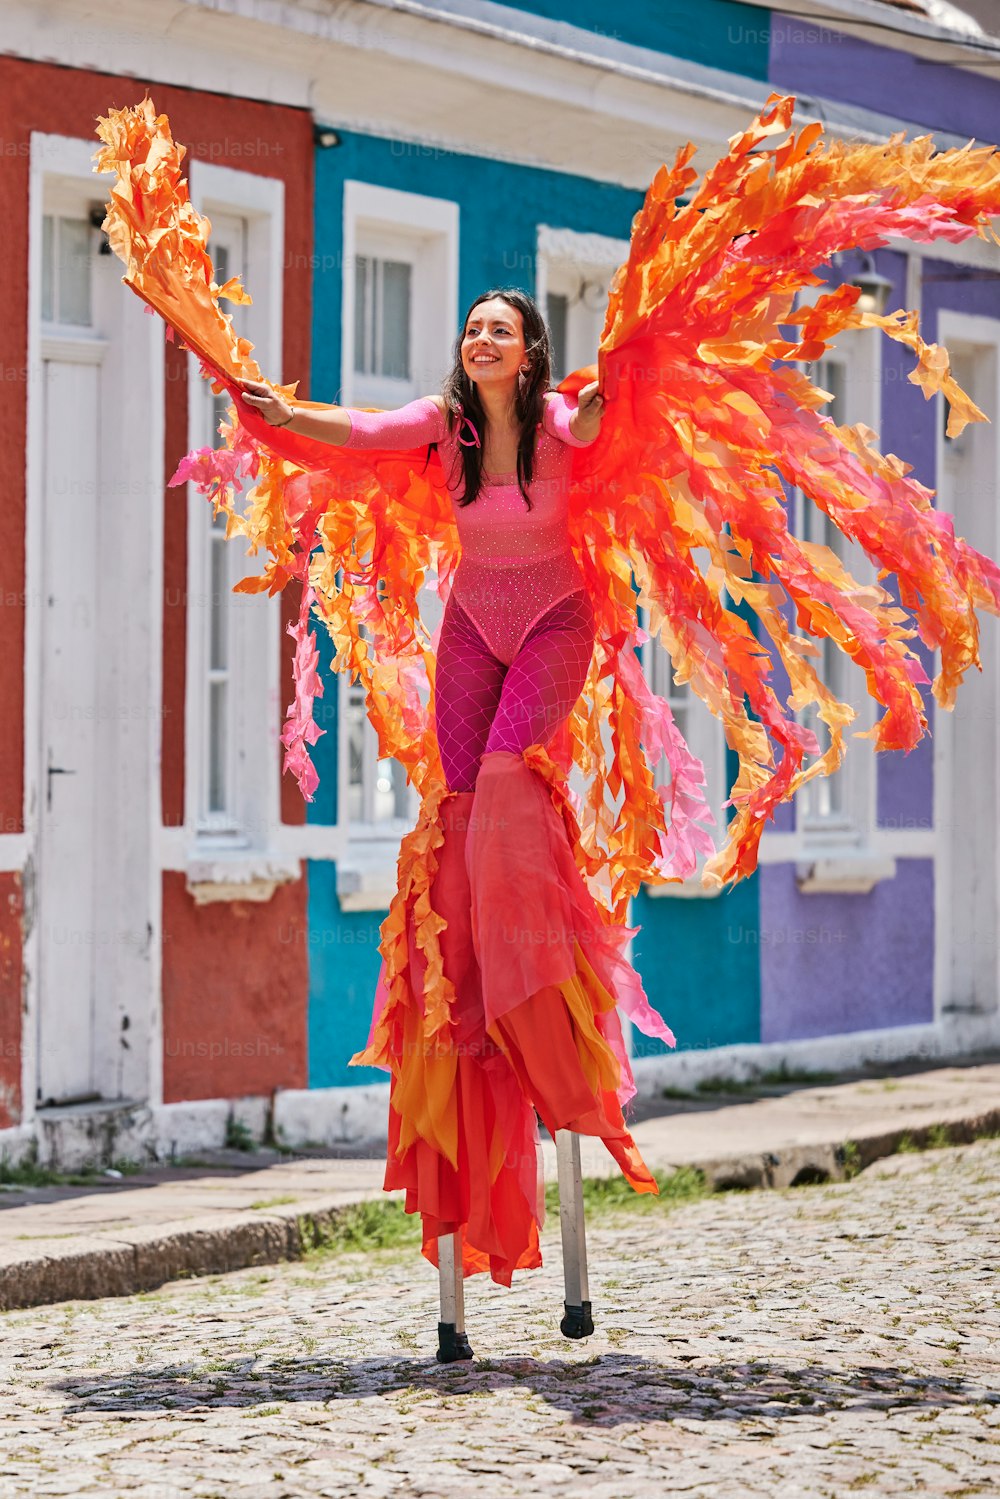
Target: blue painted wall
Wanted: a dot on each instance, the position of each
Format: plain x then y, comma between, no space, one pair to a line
718,33
343,971
699,963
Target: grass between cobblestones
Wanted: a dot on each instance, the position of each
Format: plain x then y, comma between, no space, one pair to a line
384,1225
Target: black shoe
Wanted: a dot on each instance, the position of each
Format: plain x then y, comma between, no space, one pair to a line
452,1345
577,1323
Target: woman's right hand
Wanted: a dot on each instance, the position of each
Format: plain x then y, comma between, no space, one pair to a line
261,398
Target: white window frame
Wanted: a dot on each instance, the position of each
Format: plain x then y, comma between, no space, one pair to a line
240,857
705,737
850,826
844,855
389,223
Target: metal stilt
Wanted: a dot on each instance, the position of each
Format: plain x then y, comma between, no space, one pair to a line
452,1341
578,1322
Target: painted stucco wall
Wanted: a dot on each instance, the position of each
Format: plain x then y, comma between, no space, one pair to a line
234,986
718,33
343,970
698,960
837,963
208,990
833,963
821,61
762,961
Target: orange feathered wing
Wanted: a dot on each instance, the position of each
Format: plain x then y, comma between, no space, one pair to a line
677,507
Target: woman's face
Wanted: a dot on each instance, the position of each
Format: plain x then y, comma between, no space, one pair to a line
493,342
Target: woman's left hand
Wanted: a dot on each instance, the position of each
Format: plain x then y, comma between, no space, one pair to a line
586,421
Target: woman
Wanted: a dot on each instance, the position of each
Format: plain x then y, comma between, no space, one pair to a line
503,948
533,1021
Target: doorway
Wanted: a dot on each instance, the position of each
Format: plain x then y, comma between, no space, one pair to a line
92,699
966,787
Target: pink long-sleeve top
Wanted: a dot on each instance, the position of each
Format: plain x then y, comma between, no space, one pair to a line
515,562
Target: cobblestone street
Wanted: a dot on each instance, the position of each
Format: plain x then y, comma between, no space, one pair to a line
824,1340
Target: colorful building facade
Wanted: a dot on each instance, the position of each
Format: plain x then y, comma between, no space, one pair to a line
183,942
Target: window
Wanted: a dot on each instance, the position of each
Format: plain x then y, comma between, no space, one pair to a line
383,313
224,564
67,270
705,738
574,275
557,317
823,803
838,811
233,706
399,317
835,816
378,797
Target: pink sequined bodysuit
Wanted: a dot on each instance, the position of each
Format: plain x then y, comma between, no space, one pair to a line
518,629
516,563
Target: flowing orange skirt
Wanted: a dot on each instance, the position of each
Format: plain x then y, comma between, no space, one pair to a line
498,999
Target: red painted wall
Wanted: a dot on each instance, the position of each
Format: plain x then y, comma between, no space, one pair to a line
234,994
225,972
11,989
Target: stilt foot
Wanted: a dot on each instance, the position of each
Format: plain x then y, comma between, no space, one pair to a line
452,1345
577,1323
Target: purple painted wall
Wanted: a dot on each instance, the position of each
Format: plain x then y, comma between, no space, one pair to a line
841,67
837,963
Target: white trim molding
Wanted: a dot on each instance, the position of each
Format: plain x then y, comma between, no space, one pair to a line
423,232
241,860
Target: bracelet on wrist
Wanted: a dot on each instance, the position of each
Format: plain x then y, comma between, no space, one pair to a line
288,418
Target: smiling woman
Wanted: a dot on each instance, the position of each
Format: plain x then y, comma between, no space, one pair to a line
513,655
551,521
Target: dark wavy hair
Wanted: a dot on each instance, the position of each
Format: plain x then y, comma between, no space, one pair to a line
462,396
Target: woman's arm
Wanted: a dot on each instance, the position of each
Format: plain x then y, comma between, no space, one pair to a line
418,422
576,425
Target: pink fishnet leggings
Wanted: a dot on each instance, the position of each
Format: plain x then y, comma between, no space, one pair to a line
483,705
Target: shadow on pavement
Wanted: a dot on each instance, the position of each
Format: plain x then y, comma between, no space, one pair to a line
609,1390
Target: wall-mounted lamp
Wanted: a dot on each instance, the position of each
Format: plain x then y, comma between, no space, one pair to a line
325,137
874,288
590,293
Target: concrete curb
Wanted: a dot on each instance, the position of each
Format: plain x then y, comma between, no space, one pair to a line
135,1260
800,1165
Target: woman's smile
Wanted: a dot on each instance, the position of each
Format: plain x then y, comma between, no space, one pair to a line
493,341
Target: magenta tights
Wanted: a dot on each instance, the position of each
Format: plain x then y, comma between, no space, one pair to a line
483,705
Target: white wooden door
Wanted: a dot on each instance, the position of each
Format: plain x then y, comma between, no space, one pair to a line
967,793
71,935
